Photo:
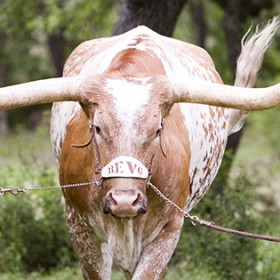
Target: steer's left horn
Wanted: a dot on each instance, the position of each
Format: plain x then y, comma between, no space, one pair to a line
226,96
248,65
40,92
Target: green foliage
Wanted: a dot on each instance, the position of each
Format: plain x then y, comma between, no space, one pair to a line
184,271
62,274
215,42
26,30
33,234
230,204
26,25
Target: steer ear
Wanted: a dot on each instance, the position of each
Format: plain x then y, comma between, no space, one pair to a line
93,90
40,92
163,93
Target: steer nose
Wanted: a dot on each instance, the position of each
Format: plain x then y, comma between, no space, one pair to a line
125,203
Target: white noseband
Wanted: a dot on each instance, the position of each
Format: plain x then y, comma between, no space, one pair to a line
125,167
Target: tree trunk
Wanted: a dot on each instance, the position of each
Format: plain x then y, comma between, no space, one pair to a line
233,30
159,15
4,125
198,16
56,44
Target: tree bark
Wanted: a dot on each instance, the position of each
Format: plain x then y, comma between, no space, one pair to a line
56,44
4,124
198,16
236,14
159,15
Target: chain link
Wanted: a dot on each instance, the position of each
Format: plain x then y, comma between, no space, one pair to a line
159,193
196,220
16,190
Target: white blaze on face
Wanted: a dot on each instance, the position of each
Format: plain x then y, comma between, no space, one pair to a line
130,99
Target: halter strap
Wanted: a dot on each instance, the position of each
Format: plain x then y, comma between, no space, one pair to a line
119,167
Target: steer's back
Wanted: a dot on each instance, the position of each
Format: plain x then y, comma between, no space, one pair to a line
156,55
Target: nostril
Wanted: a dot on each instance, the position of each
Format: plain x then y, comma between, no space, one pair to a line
142,210
111,199
137,200
107,210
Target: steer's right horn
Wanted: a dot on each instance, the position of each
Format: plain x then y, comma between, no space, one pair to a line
40,92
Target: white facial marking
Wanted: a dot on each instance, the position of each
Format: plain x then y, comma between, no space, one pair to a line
129,97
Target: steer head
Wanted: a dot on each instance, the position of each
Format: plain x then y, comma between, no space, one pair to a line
126,116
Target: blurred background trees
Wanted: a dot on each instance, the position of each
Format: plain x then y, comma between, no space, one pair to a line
38,36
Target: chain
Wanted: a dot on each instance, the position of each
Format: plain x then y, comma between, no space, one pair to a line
16,190
159,193
196,220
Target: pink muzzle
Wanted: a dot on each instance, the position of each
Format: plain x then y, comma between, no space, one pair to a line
122,200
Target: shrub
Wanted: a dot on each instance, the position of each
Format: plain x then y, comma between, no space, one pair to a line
231,204
33,234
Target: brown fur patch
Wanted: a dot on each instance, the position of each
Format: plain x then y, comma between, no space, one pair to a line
172,172
77,164
134,62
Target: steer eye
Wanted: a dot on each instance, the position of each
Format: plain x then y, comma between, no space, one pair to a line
158,131
97,129
160,128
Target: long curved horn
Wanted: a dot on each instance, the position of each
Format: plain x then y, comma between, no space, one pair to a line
221,95
248,65
39,92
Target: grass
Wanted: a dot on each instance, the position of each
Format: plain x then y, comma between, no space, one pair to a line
259,153
26,154
23,144
74,273
260,147
62,274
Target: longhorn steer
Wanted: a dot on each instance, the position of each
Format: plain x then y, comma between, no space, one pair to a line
139,117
